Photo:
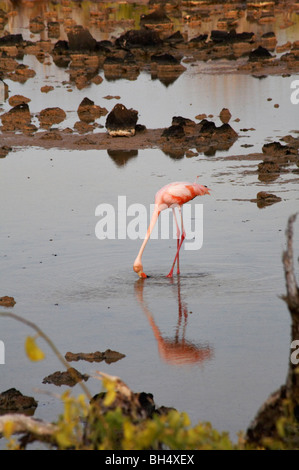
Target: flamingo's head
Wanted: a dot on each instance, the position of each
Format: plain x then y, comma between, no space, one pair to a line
138,268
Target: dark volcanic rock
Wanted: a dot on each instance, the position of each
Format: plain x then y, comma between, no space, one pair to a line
88,111
165,59
11,40
156,17
207,127
225,115
15,100
268,170
276,149
205,136
21,73
175,38
80,39
166,68
121,64
264,199
53,29
70,377
36,25
176,131
50,116
7,301
4,150
139,39
14,400
199,39
260,53
219,36
108,356
121,121
16,118
226,131
61,46
182,121
188,125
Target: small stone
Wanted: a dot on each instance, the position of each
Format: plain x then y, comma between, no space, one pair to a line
15,100
7,301
46,88
225,115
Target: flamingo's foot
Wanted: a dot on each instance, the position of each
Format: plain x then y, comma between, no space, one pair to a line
170,274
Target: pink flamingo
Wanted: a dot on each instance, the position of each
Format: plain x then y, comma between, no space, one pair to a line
170,196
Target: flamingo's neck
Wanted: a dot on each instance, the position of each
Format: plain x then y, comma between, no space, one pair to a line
138,268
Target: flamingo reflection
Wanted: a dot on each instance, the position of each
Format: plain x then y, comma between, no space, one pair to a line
176,350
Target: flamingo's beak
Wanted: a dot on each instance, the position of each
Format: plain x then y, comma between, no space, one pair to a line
142,275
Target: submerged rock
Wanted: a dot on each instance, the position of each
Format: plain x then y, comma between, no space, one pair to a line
264,199
268,170
108,356
70,377
121,121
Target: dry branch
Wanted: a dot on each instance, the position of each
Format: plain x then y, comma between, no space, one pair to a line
292,297
21,424
265,423
292,300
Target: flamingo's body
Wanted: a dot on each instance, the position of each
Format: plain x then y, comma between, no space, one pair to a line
170,196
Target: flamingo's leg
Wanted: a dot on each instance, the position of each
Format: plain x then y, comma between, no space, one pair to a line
178,234
179,245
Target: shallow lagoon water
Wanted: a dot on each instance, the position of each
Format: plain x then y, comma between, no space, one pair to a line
83,292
